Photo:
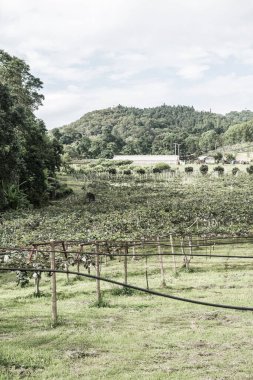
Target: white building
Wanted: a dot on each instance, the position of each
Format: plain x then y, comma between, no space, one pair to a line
149,159
206,159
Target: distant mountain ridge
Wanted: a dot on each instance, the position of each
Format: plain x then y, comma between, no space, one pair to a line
130,130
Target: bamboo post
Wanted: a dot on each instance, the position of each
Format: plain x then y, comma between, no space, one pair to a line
36,275
65,248
172,251
99,296
133,251
107,252
146,271
53,284
125,263
190,247
79,258
146,263
186,260
163,282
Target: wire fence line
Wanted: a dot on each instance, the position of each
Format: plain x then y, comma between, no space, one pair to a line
61,254
153,292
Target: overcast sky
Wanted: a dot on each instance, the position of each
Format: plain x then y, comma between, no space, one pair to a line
93,54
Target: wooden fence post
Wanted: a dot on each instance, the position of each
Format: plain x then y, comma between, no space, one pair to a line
66,266
172,251
99,296
163,282
133,251
79,258
53,284
146,262
125,264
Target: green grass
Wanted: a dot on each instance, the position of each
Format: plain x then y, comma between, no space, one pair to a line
134,336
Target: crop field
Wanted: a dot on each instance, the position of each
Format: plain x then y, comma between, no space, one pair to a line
133,334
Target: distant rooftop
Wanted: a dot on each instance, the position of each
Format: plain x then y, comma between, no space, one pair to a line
148,159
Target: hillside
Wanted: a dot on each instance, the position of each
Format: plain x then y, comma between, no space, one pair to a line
129,130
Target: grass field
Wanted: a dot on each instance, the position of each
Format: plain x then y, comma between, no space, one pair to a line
135,336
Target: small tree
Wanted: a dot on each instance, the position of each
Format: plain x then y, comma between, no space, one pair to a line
188,169
127,172
112,171
219,170
162,166
140,171
203,169
235,171
229,157
218,156
157,170
250,169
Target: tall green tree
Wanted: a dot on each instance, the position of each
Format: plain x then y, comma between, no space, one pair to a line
27,154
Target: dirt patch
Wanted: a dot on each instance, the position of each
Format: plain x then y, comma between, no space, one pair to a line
78,354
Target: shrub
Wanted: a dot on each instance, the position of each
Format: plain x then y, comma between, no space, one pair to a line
162,166
122,162
250,169
157,170
112,171
13,197
140,171
218,156
188,169
127,172
203,169
235,171
219,170
57,190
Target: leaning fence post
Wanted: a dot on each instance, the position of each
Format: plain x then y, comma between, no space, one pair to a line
163,283
99,297
53,284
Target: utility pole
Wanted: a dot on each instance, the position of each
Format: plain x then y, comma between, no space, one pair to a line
177,149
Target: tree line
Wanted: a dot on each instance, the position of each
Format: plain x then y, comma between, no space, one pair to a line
29,158
129,130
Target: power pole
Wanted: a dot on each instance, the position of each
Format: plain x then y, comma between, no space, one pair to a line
177,149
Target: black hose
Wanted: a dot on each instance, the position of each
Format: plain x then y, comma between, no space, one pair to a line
241,308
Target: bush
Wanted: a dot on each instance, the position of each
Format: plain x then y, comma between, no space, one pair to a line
157,170
188,169
57,190
235,171
127,172
203,169
13,197
219,170
112,171
250,169
162,166
140,171
122,162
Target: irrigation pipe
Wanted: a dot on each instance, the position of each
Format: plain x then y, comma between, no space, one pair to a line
241,308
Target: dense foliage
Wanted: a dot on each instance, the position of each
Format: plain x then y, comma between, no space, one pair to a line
27,155
137,205
129,130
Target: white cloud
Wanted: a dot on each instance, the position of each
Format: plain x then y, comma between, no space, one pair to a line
96,53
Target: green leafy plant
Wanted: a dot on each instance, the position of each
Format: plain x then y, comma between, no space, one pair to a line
219,170
203,169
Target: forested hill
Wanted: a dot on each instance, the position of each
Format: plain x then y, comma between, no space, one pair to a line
129,130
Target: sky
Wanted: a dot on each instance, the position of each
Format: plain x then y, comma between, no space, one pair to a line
93,54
